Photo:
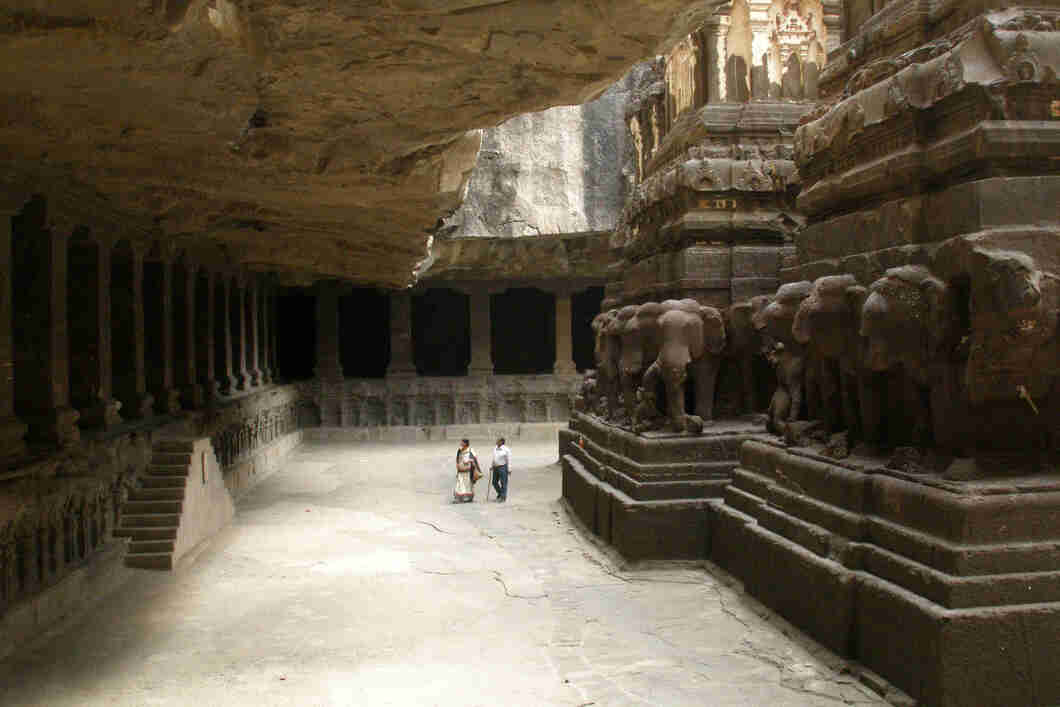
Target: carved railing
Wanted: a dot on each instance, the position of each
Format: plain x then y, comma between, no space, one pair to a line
433,401
62,510
240,428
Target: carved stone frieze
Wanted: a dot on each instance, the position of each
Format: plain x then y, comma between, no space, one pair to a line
431,401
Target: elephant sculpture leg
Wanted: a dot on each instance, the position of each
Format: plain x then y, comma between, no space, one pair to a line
705,375
629,383
849,387
674,379
747,375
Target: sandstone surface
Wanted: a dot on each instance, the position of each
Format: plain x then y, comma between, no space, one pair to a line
314,137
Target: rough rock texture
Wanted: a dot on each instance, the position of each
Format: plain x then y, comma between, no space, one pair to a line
570,257
564,170
307,136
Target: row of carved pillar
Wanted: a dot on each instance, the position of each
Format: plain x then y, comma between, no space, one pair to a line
94,331
329,367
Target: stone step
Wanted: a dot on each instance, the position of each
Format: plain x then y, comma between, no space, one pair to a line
150,560
141,546
152,506
157,494
153,519
170,458
142,533
163,482
174,446
167,470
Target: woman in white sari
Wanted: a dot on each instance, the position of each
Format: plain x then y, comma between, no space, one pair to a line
466,466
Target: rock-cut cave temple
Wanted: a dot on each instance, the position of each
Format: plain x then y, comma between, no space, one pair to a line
780,277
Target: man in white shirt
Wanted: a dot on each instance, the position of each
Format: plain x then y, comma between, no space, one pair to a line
502,456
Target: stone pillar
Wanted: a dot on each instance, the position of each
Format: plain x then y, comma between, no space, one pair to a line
91,387
266,337
401,345
329,365
253,332
274,329
481,348
238,306
226,381
127,327
158,317
185,338
564,349
205,324
12,430
42,388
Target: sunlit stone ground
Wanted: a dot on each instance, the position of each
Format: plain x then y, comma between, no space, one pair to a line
349,579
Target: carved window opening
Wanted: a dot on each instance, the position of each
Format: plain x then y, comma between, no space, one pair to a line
364,333
296,352
523,331
441,330
585,305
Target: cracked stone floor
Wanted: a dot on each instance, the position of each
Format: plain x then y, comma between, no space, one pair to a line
349,579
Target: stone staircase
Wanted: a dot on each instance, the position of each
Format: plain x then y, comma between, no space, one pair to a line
151,515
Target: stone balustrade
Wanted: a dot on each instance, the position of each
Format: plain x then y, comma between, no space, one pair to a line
438,401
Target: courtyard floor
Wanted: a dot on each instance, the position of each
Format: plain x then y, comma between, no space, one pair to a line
348,578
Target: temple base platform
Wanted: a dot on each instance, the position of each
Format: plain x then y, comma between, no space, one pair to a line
950,590
648,495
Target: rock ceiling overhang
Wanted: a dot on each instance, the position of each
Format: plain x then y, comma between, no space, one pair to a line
314,137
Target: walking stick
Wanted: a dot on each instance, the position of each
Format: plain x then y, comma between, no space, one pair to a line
490,484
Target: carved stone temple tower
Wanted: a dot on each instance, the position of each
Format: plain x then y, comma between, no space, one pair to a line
710,221
903,504
930,187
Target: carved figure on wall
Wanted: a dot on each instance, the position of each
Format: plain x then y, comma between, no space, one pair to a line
828,324
788,356
910,322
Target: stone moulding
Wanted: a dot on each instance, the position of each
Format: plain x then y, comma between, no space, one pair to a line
946,589
986,97
444,401
647,495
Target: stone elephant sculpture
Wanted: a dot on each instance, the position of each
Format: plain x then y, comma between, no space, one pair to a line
606,351
1012,320
828,324
774,323
910,321
1008,298
691,338
743,344
639,333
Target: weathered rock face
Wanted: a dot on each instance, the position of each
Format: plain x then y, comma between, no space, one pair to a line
308,136
561,171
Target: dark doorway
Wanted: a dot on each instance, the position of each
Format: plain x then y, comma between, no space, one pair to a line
584,307
523,330
296,333
364,333
441,333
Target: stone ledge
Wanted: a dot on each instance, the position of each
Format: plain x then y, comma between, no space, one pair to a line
76,592
951,593
408,433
